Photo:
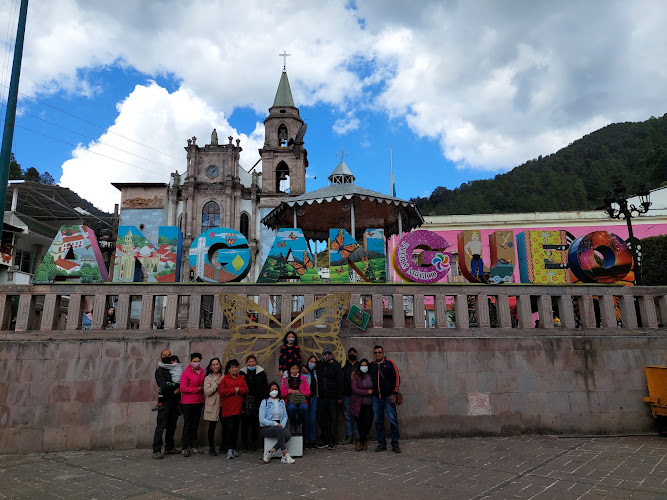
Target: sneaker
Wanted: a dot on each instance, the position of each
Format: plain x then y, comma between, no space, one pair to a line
331,447
230,454
157,455
173,451
267,456
235,454
396,449
186,453
321,445
287,459
381,447
196,450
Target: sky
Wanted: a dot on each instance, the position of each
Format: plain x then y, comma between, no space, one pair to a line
111,91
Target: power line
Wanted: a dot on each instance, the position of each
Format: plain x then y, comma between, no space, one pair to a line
95,124
90,151
93,139
8,44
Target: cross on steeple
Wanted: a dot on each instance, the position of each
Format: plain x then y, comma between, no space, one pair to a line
284,55
342,154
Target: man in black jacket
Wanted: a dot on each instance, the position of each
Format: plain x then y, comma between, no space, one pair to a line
330,388
386,380
167,418
351,431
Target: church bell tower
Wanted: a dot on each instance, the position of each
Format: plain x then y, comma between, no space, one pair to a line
284,159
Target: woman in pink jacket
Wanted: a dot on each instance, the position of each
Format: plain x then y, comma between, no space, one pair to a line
192,402
295,390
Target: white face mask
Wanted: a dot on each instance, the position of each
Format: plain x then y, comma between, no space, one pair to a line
363,369
273,393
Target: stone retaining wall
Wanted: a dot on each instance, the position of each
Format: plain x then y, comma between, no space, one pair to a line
60,394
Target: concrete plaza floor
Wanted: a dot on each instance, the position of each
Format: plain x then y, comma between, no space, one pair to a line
466,468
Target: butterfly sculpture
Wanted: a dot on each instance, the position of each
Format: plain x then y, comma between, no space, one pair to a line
255,331
300,267
345,250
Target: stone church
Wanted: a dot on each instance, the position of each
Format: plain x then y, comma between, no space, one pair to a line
215,191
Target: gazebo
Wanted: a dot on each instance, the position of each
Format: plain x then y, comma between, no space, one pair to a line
343,204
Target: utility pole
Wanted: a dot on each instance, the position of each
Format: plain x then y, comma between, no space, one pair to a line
10,117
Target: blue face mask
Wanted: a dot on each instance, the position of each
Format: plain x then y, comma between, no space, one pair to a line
252,368
311,366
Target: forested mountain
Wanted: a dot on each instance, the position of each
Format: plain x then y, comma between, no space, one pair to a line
575,178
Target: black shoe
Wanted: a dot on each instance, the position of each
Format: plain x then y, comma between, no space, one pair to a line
212,452
396,449
320,445
331,447
381,448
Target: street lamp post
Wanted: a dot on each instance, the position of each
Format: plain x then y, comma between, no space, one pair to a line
625,210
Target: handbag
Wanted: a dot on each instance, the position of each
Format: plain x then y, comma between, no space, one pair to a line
249,408
296,398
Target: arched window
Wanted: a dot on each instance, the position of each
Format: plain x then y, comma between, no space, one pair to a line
245,225
282,178
282,135
210,216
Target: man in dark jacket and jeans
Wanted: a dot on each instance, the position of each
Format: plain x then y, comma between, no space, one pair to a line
384,374
167,418
330,389
351,431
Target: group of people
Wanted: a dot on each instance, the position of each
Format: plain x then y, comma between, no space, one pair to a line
243,400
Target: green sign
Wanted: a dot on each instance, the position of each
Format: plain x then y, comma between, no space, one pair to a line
358,317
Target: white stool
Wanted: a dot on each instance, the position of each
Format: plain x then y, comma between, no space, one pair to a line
294,446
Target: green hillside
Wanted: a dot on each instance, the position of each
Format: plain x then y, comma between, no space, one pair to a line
574,178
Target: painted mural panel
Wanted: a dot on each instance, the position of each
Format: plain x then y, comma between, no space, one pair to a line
419,256
233,255
501,246
170,244
471,260
601,257
289,258
346,254
375,268
542,257
74,255
137,259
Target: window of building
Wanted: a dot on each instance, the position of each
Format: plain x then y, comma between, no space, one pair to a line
245,225
210,216
25,260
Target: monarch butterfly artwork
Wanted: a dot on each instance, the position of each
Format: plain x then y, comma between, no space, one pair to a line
281,244
292,237
255,330
337,245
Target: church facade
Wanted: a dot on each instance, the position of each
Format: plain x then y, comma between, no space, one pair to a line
216,191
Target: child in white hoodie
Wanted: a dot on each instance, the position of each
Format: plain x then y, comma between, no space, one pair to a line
176,370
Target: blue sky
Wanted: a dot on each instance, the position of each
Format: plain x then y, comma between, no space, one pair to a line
459,90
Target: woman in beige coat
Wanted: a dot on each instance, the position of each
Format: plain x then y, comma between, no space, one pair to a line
212,403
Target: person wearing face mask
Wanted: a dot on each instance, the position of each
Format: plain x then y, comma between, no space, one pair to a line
272,421
361,403
351,431
255,378
330,391
212,403
295,390
233,389
192,402
310,434
290,352
167,417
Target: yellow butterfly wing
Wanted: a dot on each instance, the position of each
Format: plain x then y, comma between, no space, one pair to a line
262,340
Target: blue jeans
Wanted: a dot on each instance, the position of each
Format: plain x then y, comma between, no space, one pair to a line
311,421
380,405
350,422
297,415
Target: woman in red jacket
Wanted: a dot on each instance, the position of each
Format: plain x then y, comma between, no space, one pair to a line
192,402
232,389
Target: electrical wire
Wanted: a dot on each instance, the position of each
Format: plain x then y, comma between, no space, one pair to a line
93,139
95,124
90,151
9,46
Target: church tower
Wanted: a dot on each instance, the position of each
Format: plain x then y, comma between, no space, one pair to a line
284,159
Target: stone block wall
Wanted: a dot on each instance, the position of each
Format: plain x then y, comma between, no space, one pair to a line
98,393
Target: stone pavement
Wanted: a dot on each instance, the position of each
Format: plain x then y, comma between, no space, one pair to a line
471,468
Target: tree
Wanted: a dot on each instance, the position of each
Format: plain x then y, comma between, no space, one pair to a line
32,175
15,170
654,257
47,178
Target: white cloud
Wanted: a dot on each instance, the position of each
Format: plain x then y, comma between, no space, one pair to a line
347,124
163,121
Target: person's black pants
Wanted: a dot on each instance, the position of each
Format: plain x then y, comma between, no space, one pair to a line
191,417
230,431
327,411
249,424
167,418
212,424
364,421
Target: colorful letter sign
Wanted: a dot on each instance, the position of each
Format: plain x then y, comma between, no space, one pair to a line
543,257
233,255
367,261
289,258
600,257
137,259
430,266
